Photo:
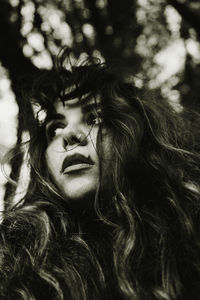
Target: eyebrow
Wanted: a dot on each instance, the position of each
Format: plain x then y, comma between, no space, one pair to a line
53,117
90,102
87,107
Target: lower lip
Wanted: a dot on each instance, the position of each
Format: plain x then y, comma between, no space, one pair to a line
76,168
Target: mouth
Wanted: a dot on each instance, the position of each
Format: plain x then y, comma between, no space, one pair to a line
75,163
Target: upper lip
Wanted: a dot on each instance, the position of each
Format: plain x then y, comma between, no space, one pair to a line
75,159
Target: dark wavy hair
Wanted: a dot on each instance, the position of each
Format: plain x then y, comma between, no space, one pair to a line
139,240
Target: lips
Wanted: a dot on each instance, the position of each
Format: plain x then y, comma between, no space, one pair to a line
76,162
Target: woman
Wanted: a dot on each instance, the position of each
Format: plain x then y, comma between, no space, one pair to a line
112,208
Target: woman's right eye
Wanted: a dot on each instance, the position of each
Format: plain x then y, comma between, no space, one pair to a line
54,130
94,118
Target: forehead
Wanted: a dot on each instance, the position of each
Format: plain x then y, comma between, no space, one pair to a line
67,105
85,104
61,108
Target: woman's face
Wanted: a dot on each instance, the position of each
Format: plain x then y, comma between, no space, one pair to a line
71,154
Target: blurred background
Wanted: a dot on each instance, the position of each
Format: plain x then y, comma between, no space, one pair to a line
159,40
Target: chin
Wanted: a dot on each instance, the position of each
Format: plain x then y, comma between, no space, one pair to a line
80,191
76,186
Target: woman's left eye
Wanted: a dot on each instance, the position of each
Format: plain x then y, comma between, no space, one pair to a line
54,129
95,118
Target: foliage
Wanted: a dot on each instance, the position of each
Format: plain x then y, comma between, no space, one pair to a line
128,32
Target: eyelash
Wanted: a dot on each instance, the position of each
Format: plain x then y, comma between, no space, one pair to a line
93,118
52,128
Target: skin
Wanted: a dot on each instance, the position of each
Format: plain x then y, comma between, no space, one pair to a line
76,133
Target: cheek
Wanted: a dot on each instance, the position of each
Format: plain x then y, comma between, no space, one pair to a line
93,135
93,141
48,159
52,159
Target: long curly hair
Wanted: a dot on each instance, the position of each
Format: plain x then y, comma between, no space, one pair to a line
139,240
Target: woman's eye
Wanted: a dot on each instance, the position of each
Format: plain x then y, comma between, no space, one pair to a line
54,130
95,118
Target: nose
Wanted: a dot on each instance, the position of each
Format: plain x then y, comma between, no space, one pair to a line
73,136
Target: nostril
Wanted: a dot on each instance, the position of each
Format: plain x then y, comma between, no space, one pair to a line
73,138
64,143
